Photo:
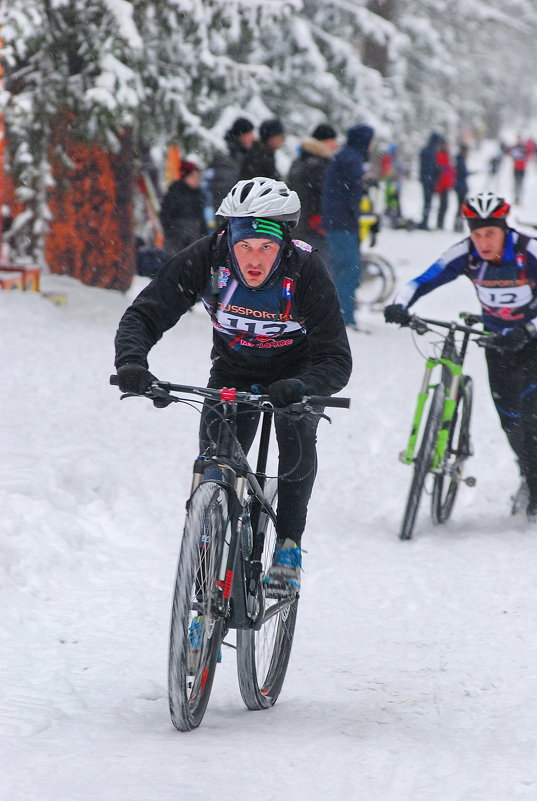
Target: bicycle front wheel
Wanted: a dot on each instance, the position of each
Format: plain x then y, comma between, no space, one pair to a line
446,484
377,280
196,630
423,462
263,655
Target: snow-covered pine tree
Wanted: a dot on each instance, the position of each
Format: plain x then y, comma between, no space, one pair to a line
106,70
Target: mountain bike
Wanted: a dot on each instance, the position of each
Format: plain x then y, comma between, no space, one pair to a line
439,443
227,546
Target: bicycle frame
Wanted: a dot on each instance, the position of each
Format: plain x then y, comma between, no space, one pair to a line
453,368
240,577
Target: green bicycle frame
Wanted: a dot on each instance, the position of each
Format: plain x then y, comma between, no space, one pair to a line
450,402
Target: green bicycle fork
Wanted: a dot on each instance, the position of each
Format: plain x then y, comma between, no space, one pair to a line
450,403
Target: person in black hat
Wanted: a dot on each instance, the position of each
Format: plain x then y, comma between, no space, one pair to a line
224,170
306,177
181,212
261,158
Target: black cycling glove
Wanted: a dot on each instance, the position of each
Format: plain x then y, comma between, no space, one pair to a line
134,378
397,313
286,391
513,339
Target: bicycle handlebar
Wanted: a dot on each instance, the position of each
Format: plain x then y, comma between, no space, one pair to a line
162,390
482,338
421,325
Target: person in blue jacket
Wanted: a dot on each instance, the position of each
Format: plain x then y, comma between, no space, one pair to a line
340,210
502,264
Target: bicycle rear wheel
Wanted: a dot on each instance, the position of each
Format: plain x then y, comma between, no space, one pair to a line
196,629
377,280
423,461
446,484
263,655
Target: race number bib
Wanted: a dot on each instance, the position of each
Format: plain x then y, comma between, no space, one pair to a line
266,325
505,297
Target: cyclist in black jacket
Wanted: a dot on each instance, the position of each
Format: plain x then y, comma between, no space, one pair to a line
276,325
502,265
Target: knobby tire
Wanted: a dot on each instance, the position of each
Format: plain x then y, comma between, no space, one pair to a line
263,655
422,462
446,484
193,653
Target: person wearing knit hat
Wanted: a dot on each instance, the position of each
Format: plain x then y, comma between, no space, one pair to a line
501,263
182,210
240,127
324,132
272,129
224,168
306,176
187,168
261,158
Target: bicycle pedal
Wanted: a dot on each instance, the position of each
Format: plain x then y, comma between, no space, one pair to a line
470,481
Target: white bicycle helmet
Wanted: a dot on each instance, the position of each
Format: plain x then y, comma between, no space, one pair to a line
261,197
485,206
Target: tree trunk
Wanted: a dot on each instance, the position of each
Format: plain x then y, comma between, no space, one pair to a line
376,53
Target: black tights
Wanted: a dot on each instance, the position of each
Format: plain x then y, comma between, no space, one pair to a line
513,384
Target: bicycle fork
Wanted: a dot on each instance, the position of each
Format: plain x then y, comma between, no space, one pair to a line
450,403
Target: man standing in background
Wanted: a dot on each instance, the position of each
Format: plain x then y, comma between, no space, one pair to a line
306,177
260,161
340,204
224,170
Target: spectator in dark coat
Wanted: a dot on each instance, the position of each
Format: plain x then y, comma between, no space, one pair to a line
461,183
260,160
429,173
223,172
340,204
181,212
306,177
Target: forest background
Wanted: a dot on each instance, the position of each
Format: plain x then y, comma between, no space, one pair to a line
90,90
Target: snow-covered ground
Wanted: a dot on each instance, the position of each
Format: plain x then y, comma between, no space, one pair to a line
414,670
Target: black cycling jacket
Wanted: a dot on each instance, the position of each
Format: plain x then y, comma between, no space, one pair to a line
318,353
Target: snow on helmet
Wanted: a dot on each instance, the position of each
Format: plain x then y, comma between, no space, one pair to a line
261,197
485,206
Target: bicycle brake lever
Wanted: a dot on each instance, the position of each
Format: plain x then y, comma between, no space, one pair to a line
419,327
488,342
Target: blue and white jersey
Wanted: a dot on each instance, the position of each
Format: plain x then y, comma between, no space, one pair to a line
507,290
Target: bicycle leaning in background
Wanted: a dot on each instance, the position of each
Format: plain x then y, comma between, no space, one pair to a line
440,443
228,542
377,276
